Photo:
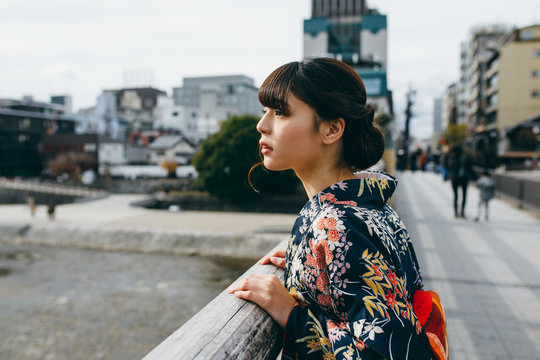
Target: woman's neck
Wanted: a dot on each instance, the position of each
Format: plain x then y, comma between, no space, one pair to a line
316,180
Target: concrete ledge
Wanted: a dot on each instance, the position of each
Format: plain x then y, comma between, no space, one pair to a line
10,231
213,244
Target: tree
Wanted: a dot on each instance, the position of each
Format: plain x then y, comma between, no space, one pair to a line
225,158
71,163
455,135
170,166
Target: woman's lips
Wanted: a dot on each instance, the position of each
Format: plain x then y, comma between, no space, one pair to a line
265,149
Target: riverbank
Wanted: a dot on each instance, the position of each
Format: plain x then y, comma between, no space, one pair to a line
112,224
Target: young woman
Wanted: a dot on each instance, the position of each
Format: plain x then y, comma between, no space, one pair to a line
351,271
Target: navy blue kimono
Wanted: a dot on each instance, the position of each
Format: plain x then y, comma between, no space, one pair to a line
351,266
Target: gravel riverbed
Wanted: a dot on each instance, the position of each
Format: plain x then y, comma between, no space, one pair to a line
64,303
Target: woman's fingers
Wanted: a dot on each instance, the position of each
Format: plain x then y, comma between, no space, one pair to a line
280,253
278,261
267,292
253,282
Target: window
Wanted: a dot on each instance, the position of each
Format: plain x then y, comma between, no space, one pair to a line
493,99
373,86
493,81
536,53
526,35
536,94
23,138
24,124
535,73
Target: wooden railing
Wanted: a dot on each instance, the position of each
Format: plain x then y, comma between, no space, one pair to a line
226,328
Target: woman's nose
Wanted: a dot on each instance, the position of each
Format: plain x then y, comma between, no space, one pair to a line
263,126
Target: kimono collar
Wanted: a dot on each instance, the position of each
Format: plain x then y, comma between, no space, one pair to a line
371,189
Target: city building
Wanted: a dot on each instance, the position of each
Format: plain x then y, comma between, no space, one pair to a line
515,79
176,118
463,84
171,147
449,107
111,151
512,96
437,123
350,31
437,116
117,112
64,100
483,45
207,101
23,123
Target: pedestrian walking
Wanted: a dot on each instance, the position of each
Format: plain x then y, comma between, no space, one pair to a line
353,288
31,202
51,211
460,171
486,185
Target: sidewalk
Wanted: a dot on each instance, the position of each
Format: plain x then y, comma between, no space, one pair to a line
115,212
487,273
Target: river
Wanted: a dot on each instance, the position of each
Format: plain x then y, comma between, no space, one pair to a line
64,303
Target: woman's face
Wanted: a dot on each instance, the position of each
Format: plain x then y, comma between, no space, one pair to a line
289,141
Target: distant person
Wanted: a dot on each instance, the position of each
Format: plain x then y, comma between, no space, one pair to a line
459,167
486,185
413,161
352,280
51,210
31,202
422,161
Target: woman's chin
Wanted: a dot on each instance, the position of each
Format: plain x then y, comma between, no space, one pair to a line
272,166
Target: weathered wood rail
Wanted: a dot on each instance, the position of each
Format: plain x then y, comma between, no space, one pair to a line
226,328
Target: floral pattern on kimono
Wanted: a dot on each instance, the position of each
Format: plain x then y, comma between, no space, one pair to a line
353,271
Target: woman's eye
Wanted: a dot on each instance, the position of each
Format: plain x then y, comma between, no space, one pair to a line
279,113
264,111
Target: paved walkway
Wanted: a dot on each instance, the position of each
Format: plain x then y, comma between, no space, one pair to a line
115,211
487,273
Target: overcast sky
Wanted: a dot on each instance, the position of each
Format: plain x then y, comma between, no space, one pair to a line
80,47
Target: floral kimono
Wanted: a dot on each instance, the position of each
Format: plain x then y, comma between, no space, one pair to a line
353,271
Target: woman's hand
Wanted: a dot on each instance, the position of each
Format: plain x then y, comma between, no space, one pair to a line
276,257
267,292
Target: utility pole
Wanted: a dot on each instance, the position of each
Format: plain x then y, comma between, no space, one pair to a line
408,115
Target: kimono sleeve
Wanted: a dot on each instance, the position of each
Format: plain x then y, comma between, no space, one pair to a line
356,306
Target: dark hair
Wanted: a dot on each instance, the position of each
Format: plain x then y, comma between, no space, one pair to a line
334,90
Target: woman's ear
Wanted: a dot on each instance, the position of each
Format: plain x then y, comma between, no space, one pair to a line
332,131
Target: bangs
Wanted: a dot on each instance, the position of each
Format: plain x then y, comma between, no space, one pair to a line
275,90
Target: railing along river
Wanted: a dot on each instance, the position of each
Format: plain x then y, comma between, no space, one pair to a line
226,328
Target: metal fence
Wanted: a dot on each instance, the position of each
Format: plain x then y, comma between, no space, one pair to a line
526,192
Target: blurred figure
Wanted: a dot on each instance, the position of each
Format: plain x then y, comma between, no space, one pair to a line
31,202
486,185
413,160
51,210
459,172
443,162
422,160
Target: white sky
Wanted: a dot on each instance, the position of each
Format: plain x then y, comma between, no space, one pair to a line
80,47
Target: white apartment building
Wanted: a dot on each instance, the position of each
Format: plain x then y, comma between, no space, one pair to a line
205,102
